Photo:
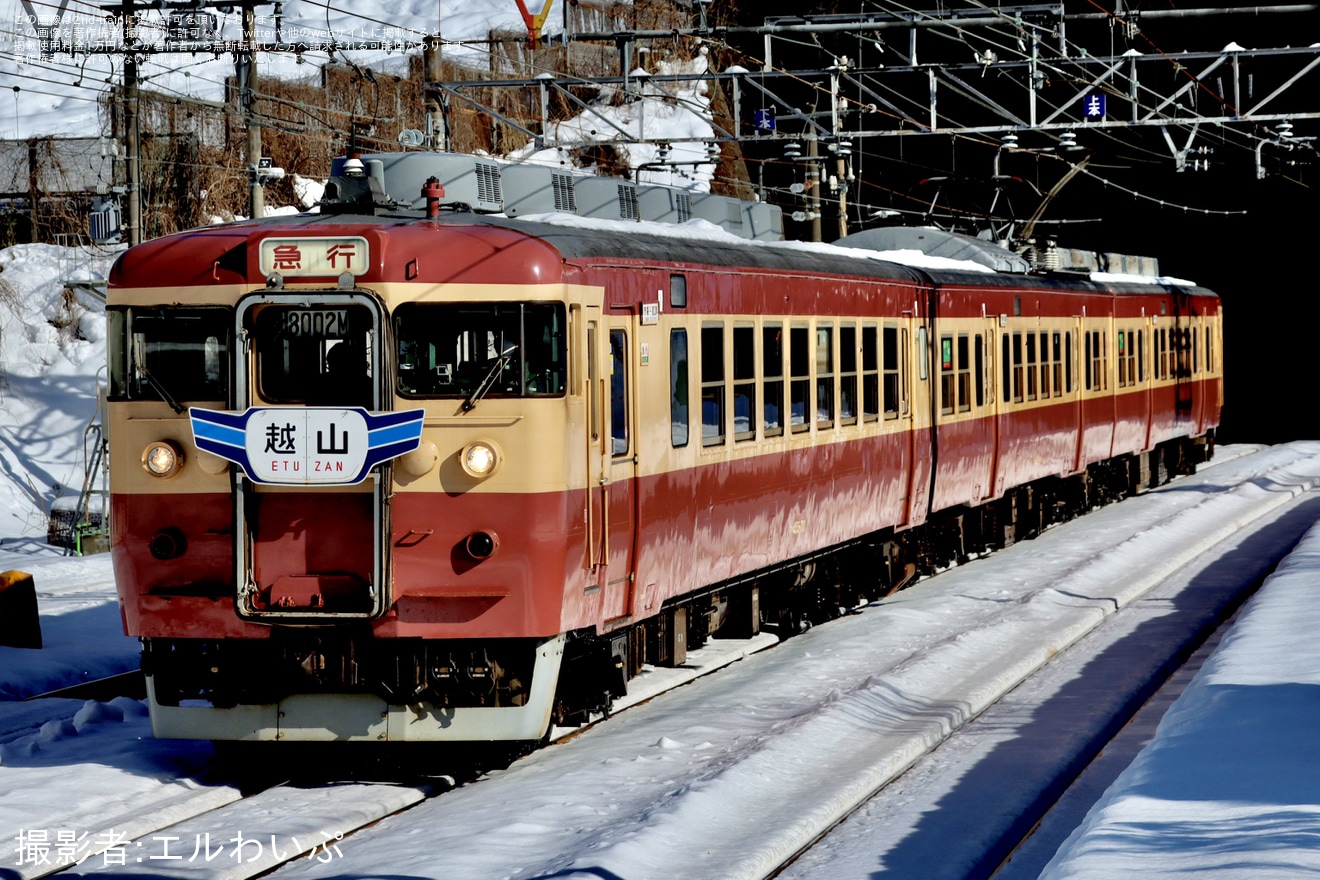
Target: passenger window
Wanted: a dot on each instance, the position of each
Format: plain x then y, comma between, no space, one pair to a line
772,370
824,376
744,382
678,387
1031,366
964,376
889,357
848,374
799,371
870,374
712,384
979,378
948,375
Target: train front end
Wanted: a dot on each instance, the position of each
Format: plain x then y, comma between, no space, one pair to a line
342,504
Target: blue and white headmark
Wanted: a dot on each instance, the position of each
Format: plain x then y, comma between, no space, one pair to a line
306,446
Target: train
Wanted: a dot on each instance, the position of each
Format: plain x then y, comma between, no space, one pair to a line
404,471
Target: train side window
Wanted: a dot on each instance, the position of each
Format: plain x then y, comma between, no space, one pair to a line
1098,362
744,382
824,376
1209,351
948,375
979,370
889,357
1031,366
870,374
1044,365
1141,355
964,375
1068,361
1196,366
712,384
799,373
1006,367
1123,346
678,291
1017,368
848,374
678,387
1056,363
772,386
905,376
923,353
1087,356
619,391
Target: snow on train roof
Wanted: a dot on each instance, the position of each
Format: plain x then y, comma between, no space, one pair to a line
704,230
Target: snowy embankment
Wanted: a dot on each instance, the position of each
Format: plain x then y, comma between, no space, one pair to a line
1230,785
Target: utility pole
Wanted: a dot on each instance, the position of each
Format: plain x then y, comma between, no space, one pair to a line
436,136
247,79
132,134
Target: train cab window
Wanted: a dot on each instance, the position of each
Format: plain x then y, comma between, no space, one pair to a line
824,376
712,384
454,349
772,375
619,391
889,357
799,373
870,373
848,374
678,291
744,382
171,354
678,387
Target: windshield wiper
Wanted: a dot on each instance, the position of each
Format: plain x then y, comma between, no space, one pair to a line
141,368
485,385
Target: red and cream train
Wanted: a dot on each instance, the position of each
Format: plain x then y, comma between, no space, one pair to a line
556,453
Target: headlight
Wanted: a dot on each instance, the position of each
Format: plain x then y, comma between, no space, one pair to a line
479,459
162,459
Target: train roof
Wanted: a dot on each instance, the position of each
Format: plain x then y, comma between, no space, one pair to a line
695,245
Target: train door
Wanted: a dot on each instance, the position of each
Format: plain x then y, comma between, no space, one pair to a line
309,540
612,464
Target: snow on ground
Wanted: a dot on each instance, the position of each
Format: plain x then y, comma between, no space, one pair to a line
1228,788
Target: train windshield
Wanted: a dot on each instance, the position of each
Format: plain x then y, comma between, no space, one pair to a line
454,349
317,354
171,354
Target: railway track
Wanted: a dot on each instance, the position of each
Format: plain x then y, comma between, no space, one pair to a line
866,698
